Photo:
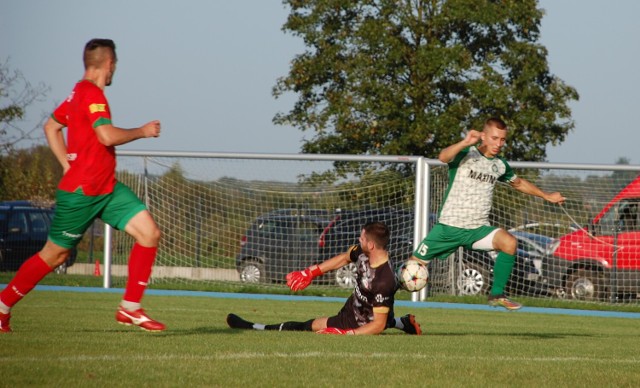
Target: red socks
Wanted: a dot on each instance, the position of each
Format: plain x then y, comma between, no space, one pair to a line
35,269
30,273
140,265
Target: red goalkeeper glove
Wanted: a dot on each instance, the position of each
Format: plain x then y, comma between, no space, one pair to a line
299,280
335,330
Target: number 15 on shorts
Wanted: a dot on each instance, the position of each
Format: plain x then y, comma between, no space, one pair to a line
422,249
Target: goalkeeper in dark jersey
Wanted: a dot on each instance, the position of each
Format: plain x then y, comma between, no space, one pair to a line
369,310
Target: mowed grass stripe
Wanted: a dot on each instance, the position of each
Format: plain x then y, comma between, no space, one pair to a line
335,355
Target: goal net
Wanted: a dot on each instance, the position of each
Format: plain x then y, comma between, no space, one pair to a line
248,221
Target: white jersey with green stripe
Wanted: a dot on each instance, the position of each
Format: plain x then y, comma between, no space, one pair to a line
472,179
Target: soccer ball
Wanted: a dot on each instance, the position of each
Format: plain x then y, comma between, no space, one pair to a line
413,275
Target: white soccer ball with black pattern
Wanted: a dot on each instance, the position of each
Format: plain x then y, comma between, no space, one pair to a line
413,275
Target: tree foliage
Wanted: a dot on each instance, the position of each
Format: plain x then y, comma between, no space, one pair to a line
31,174
407,77
16,95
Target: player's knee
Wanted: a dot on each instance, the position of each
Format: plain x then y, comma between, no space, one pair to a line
54,259
510,244
506,242
156,234
151,237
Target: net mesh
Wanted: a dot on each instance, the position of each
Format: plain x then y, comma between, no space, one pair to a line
221,217
250,221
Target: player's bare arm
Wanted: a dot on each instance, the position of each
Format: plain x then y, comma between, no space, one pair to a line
335,262
109,135
55,138
374,327
524,186
447,154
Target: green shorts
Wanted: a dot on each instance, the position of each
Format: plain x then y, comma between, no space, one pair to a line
75,212
443,240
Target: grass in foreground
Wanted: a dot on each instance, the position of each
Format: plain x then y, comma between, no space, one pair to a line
71,339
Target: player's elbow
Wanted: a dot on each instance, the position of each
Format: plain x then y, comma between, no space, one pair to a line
51,126
105,138
106,142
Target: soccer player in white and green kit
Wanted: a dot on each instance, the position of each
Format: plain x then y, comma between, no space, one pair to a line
464,216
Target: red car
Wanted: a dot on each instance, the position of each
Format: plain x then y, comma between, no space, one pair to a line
601,261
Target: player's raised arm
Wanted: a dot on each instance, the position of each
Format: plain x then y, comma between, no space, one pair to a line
447,154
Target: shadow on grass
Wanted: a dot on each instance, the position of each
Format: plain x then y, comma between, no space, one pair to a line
528,335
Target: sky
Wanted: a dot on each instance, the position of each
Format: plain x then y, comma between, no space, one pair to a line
206,69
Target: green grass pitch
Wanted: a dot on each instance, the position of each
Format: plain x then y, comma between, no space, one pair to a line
71,339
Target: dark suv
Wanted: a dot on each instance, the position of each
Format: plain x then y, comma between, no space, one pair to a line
24,227
279,242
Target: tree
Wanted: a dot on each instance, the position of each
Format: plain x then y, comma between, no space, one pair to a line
16,94
31,174
409,76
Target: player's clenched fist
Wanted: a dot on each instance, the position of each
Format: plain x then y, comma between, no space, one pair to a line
151,129
299,280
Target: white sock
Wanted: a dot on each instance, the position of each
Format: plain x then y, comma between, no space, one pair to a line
258,326
399,324
4,308
130,306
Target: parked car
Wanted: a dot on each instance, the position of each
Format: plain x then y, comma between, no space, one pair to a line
476,275
536,247
24,227
601,260
279,242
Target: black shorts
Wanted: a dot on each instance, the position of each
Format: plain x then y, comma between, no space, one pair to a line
345,319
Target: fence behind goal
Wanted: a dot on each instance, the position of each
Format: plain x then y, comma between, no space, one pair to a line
248,219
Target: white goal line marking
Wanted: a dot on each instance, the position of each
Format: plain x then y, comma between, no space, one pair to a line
261,355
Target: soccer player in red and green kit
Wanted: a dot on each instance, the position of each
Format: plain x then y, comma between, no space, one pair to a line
89,190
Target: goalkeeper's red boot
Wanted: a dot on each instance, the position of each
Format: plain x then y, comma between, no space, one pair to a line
138,318
4,323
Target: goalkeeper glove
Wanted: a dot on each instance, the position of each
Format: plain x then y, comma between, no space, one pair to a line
335,330
299,280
